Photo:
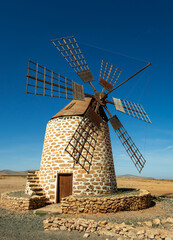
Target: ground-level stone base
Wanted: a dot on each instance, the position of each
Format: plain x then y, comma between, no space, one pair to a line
106,204
119,231
22,204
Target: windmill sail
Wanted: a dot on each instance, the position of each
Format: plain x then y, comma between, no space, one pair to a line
42,81
82,144
109,75
70,50
128,144
131,109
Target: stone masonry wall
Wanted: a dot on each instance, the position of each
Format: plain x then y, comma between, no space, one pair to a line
55,160
107,204
22,204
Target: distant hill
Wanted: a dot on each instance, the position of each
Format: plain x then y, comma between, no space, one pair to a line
14,173
133,176
25,173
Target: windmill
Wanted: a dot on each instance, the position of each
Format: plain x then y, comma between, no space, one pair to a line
92,107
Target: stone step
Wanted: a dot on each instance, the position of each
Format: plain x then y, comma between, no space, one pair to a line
36,189
32,178
32,171
32,175
32,181
39,193
34,185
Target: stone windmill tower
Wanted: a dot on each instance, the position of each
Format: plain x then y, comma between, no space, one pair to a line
77,153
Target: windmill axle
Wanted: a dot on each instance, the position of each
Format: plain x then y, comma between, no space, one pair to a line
100,98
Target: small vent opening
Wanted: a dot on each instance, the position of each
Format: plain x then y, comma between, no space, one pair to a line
70,106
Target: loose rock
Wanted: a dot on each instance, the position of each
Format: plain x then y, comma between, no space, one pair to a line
156,221
148,223
120,231
86,235
140,232
170,220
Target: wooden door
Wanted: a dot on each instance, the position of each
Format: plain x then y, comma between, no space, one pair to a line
64,185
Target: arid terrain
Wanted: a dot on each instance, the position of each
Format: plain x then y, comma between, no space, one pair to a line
19,226
12,183
156,187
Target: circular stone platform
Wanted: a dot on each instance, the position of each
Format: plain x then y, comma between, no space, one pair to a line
19,201
123,200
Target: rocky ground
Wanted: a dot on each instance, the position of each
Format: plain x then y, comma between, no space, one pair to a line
149,230
122,225
154,222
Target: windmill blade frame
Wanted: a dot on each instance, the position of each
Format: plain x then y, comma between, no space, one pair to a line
109,74
142,69
82,145
70,50
130,147
132,109
44,82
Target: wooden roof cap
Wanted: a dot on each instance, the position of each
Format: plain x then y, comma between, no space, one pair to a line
74,108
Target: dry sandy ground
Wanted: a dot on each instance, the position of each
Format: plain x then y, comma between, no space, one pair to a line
10,183
156,187
15,226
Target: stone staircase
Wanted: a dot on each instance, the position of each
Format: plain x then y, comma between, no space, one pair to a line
33,186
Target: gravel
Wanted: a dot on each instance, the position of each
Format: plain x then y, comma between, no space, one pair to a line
21,226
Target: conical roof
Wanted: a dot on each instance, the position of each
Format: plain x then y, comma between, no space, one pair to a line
74,108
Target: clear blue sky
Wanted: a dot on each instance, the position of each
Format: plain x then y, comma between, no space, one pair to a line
139,29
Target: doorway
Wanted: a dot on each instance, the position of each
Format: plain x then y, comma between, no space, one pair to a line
64,185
